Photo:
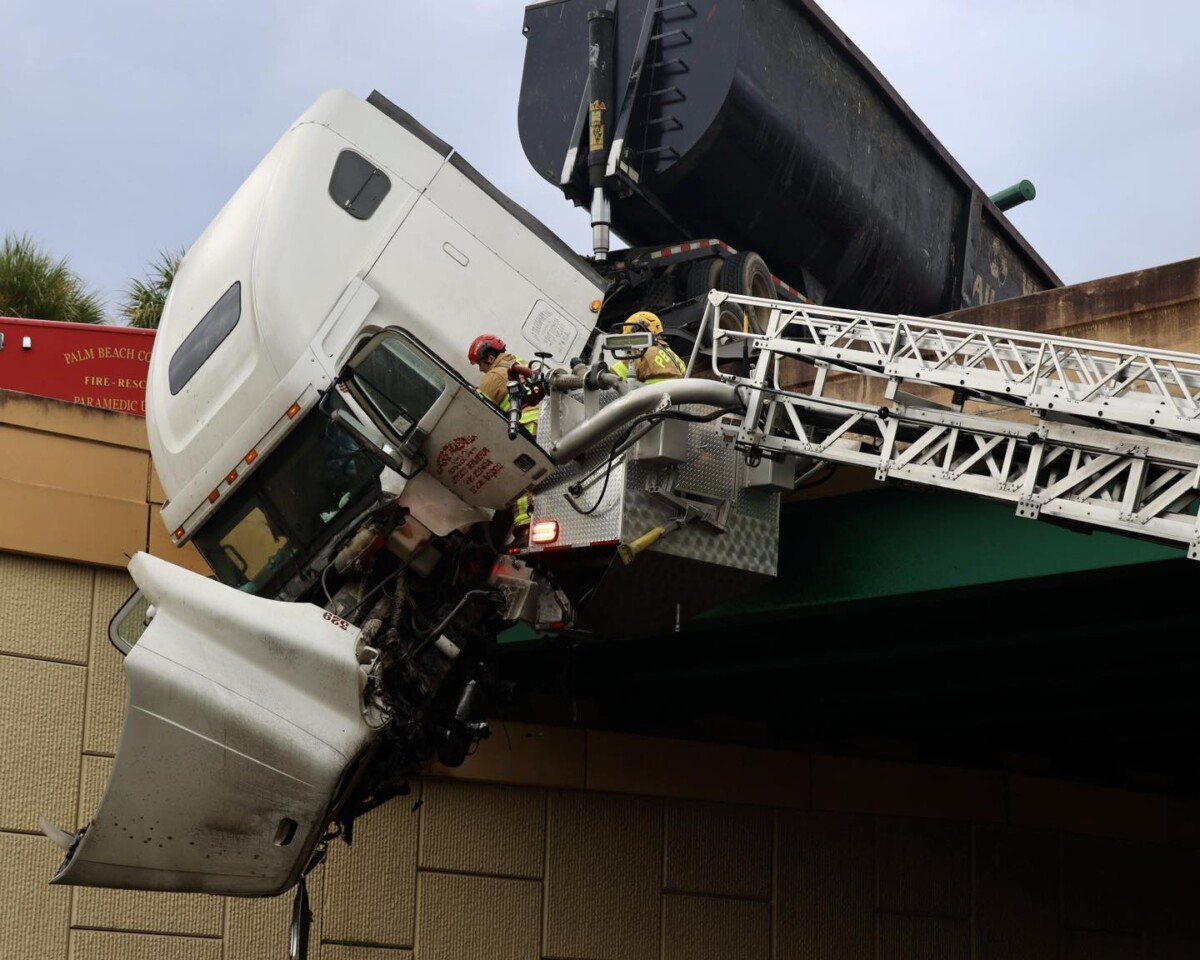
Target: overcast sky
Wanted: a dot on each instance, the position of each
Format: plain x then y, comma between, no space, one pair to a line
126,124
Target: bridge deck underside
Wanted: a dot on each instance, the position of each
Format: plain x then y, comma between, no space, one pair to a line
939,627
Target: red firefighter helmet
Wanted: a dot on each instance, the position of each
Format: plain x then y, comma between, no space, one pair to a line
483,343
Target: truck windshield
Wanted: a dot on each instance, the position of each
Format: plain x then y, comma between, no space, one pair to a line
287,508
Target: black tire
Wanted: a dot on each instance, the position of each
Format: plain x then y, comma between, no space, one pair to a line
702,276
746,273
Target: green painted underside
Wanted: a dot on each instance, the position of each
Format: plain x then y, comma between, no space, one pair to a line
895,541
898,541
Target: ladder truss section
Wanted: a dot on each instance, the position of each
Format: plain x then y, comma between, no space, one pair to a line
1095,434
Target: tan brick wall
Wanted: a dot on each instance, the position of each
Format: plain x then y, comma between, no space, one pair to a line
77,484
583,844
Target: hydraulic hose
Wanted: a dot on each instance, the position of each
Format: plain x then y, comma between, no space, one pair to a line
638,402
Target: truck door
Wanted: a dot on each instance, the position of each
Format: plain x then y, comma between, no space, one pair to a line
427,410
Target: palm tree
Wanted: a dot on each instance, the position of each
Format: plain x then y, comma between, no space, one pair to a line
36,286
144,299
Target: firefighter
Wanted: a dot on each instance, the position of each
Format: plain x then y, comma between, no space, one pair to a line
656,363
489,353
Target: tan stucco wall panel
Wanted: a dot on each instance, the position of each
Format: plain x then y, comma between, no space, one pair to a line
45,459
483,828
1102,811
106,675
603,877
339,951
72,481
907,789
477,918
718,848
1107,884
379,869
1093,945
48,522
1165,946
41,716
710,928
1173,905
45,606
255,926
825,886
72,420
924,867
103,945
155,492
33,917
527,754
935,938
1016,893
623,763
149,912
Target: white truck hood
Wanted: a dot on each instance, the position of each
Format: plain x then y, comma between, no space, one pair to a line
245,719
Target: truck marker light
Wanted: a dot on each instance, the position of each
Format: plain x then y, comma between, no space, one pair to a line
544,531
293,410
251,456
179,534
231,476
212,497
595,306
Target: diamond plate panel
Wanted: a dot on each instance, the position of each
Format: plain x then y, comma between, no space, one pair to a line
715,469
687,571
575,529
712,469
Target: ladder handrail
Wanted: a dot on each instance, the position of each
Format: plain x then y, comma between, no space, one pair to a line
1113,439
1140,387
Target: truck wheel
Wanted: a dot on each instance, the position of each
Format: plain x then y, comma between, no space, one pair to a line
746,273
702,276
705,275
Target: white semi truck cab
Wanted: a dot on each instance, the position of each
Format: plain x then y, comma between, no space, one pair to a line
314,422
359,220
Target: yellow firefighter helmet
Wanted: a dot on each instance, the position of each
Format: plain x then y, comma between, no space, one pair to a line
643,320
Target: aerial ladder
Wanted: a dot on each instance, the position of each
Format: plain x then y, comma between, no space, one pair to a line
1085,433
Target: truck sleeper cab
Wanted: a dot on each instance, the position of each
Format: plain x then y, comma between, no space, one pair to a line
317,439
314,430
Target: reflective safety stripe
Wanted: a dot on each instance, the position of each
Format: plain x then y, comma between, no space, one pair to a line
621,369
529,419
523,510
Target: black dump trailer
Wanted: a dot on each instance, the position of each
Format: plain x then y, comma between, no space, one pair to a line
759,124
